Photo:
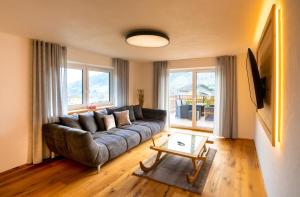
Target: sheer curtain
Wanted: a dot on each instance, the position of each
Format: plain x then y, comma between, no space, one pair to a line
160,78
121,68
225,110
49,83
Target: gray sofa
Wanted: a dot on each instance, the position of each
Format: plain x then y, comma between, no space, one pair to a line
83,138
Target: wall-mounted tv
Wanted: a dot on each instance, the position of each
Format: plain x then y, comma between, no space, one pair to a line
256,84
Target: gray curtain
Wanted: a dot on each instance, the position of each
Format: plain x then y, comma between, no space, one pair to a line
226,101
49,81
160,72
121,68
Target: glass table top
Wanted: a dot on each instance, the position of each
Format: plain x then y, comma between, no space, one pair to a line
184,142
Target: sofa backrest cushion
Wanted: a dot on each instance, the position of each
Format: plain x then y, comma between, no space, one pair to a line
131,113
113,109
99,117
88,122
109,121
122,118
70,121
138,112
118,109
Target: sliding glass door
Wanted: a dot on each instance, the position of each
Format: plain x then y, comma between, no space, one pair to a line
180,98
192,99
205,100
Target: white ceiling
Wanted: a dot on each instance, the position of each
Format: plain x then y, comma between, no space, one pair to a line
197,28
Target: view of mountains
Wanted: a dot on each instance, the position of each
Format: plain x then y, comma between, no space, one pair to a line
98,89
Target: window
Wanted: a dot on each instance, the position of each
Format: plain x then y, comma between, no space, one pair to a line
88,85
75,89
99,86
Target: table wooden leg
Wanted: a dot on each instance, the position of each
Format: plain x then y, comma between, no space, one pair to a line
191,178
156,162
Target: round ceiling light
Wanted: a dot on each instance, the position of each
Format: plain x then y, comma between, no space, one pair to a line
147,39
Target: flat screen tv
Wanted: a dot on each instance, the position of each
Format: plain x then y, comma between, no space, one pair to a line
256,84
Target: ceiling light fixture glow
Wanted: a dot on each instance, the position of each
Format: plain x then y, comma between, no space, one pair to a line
147,39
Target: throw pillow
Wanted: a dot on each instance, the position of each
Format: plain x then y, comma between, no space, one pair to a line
88,122
109,121
131,113
70,121
138,112
99,117
122,118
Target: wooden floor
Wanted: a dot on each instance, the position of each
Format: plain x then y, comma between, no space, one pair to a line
235,172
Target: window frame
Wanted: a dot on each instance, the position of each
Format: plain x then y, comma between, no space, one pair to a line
85,85
99,69
78,67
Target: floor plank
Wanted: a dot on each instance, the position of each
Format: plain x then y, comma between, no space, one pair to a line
235,172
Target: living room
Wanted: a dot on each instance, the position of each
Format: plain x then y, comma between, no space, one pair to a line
149,98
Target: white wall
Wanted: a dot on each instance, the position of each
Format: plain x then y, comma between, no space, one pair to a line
87,57
16,101
280,165
141,77
245,108
192,63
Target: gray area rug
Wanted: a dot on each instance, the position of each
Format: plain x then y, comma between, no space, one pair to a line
172,171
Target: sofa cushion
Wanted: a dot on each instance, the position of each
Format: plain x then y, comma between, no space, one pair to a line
76,149
111,110
99,117
160,122
122,118
153,125
143,131
132,138
103,154
138,114
131,113
70,121
118,109
88,122
115,144
109,121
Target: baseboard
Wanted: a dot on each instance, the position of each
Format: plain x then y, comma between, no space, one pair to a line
259,166
15,168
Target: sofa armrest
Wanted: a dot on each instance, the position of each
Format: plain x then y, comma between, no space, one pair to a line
74,144
154,114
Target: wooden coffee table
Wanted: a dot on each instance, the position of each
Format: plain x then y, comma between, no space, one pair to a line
192,146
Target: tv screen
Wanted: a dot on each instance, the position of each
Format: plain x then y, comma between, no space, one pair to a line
255,82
